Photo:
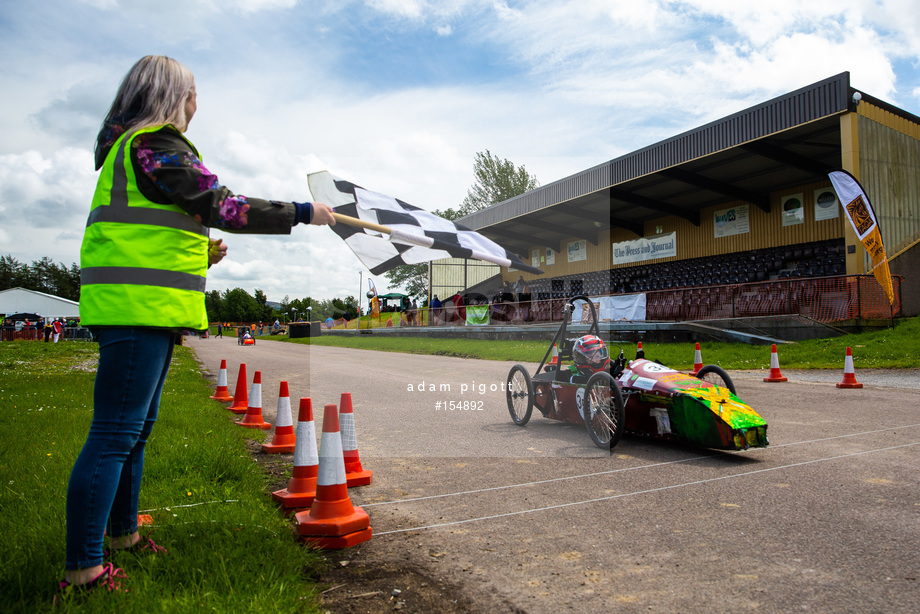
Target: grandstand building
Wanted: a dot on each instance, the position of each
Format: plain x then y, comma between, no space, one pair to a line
736,218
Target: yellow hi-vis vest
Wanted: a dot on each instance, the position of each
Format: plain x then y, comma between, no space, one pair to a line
142,263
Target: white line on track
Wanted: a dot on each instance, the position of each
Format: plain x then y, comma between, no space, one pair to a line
645,492
612,471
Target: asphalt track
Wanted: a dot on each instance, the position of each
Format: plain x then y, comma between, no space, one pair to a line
537,519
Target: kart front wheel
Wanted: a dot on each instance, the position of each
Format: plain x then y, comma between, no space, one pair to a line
604,410
716,375
520,395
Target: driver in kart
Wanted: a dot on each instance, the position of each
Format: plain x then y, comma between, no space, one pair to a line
590,355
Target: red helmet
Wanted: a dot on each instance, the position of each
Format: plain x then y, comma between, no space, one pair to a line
589,352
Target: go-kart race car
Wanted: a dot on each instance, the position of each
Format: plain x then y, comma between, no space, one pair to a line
243,337
639,397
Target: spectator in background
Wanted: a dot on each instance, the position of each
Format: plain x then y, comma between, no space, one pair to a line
434,311
524,298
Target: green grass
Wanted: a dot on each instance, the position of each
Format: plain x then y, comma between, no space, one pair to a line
891,348
224,556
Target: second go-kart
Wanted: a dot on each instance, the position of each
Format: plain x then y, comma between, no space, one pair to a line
638,397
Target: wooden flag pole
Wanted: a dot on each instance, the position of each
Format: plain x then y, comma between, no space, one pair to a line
353,221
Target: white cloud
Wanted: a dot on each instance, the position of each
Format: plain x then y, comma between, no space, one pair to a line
410,9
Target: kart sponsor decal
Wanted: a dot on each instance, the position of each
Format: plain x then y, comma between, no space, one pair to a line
643,383
580,401
660,414
653,367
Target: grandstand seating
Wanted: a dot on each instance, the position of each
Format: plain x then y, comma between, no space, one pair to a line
807,279
815,259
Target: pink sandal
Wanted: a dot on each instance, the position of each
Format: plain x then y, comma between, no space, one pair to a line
108,577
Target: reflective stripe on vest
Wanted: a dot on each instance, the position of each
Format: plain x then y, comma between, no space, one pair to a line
148,277
142,263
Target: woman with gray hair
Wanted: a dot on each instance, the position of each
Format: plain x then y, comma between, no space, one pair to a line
144,261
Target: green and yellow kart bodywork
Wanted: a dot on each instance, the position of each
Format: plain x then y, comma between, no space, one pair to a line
668,404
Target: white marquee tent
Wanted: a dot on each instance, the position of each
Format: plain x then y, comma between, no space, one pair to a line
20,300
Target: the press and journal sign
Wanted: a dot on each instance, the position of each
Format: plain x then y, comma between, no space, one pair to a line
646,248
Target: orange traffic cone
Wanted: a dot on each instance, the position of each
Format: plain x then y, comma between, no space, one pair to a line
775,375
301,487
849,373
284,439
640,353
332,521
240,397
222,394
697,360
253,418
553,360
355,474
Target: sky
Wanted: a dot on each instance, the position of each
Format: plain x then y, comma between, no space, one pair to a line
399,95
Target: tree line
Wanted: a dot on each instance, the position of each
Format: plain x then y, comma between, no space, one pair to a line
238,305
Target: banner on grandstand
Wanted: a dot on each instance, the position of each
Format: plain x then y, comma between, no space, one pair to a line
646,248
577,250
826,205
630,307
477,315
862,217
733,221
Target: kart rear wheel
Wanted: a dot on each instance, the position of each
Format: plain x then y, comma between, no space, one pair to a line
716,375
520,395
604,410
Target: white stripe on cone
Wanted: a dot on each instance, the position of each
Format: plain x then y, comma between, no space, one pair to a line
222,378
255,396
349,435
332,461
305,448
283,416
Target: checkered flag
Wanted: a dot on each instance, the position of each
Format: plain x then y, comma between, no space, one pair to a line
394,233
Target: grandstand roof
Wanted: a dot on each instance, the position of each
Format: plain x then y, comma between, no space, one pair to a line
784,142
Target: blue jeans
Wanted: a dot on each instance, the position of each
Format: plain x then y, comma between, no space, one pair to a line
105,482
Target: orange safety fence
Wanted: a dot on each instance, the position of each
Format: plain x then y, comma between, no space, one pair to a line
824,299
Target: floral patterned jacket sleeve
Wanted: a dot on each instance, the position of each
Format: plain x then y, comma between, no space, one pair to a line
169,170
